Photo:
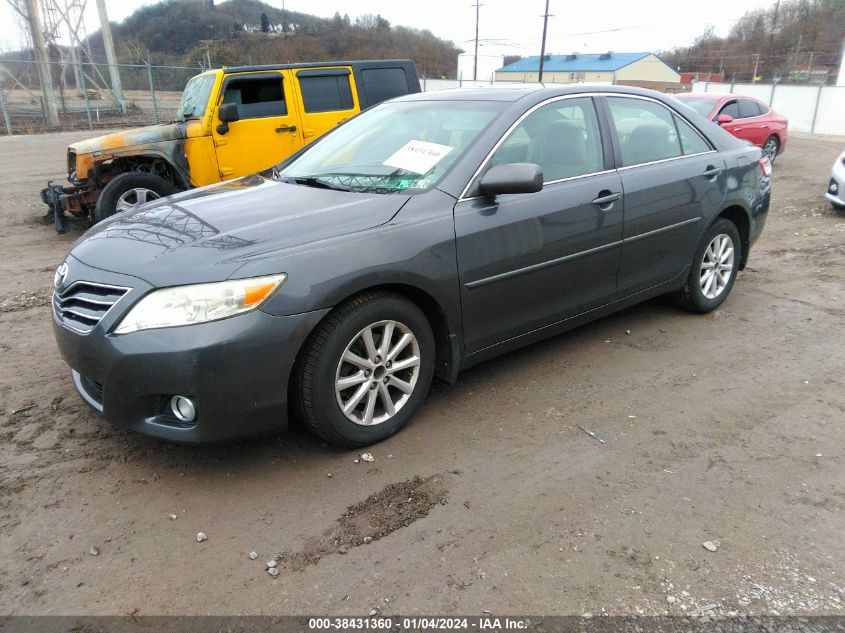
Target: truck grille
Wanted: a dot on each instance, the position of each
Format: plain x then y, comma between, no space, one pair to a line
83,304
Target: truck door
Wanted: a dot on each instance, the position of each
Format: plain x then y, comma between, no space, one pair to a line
267,130
328,97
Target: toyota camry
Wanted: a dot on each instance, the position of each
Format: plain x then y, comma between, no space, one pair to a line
423,236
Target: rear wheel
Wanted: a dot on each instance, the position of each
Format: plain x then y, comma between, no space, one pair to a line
365,370
714,269
771,147
129,191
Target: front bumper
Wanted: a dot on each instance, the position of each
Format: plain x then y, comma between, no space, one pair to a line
236,370
836,185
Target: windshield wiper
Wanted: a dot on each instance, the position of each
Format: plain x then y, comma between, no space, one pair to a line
313,181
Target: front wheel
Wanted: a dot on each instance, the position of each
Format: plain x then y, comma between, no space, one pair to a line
129,191
365,370
714,269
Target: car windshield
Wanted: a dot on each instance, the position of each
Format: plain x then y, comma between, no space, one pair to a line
394,147
195,97
703,105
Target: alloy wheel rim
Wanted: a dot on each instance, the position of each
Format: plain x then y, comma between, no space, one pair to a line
377,373
135,197
770,149
717,266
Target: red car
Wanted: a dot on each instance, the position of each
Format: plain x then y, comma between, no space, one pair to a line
744,117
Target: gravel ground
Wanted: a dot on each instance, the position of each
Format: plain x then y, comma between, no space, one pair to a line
725,430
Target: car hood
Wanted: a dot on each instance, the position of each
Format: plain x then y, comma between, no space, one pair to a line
128,138
208,234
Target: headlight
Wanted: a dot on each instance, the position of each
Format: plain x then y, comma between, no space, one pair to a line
198,303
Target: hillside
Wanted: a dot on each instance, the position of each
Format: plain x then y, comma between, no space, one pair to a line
796,40
249,31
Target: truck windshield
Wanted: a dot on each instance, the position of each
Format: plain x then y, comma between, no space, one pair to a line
195,97
393,148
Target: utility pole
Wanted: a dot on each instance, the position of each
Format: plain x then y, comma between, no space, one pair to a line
810,68
769,62
477,6
39,48
284,34
108,44
543,44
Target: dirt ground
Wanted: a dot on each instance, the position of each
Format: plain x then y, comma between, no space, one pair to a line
727,428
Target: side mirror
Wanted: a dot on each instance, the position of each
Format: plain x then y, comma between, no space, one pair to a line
724,119
227,113
511,178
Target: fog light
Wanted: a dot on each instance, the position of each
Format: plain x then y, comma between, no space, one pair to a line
183,408
834,188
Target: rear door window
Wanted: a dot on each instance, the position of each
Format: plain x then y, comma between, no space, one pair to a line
645,129
748,108
325,92
691,140
257,96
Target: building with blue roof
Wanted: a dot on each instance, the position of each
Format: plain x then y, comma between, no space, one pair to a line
591,68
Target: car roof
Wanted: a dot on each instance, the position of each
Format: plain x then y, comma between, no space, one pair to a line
715,96
522,91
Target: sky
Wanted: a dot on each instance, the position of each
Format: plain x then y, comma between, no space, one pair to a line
506,26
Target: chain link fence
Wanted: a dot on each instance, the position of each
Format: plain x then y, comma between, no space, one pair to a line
84,98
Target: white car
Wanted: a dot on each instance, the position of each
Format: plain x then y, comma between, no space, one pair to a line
836,186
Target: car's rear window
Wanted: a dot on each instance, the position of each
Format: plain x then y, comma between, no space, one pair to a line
702,105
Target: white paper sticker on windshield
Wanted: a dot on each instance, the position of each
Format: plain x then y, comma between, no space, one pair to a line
418,156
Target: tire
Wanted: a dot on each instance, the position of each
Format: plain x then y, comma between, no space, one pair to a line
774,147
123,186
316,400
692,296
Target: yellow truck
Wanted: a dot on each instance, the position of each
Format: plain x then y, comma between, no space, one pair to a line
231,122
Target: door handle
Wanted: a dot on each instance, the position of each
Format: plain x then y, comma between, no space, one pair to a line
712,172
764,126
606,199
286,128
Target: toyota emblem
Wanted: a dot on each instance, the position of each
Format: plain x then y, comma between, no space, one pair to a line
60,276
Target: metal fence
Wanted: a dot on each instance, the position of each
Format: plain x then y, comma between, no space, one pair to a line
84,98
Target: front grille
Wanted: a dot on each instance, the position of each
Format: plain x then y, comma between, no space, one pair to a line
83,304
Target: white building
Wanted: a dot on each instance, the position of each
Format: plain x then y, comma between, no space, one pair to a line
487,66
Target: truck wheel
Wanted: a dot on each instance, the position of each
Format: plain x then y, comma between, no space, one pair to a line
129,191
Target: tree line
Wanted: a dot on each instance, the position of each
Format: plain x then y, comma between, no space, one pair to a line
797,40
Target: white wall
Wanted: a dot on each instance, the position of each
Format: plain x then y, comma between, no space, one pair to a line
815,109
840,81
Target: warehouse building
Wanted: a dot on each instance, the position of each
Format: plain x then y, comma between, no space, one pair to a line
591,68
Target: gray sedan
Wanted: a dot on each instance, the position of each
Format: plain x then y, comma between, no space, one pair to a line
425,235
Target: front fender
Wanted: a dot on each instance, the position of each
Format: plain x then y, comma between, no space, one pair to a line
416,249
